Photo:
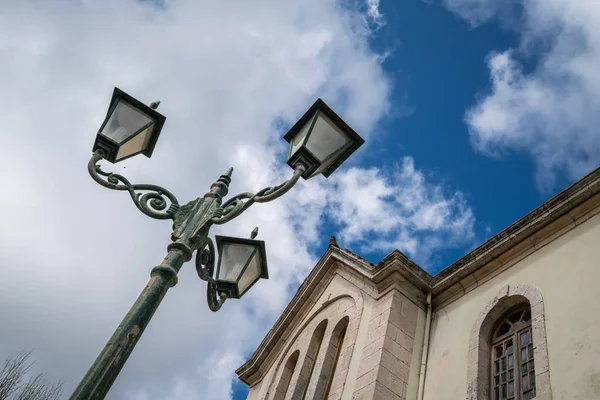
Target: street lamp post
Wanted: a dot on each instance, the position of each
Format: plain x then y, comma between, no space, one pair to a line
319,142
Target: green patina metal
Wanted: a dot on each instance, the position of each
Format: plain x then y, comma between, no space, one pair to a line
191,225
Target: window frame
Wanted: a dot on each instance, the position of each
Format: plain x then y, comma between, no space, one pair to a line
478,360
515,332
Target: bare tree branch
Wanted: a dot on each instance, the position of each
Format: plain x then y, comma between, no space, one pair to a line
11,375
37,387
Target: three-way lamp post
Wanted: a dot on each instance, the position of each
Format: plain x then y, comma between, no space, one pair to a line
319,142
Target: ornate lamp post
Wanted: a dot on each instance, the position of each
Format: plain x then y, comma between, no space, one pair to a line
319,142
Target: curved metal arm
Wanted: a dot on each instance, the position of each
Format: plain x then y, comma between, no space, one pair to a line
214,303
151,203
205,261
205,266
236,205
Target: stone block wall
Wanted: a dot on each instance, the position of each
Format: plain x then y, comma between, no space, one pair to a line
385,361
356,343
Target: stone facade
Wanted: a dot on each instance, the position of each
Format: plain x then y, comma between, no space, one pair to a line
357,330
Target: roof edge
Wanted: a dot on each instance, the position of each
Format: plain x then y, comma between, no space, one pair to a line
247,373
550,211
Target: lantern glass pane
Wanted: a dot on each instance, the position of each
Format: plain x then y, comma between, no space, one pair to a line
234,257
137,144
251,274
124,122
326,139
299,138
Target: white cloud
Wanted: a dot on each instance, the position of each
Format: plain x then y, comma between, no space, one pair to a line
373,11
76,254
477,11
553,110
401,209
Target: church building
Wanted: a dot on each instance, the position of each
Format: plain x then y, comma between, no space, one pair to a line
516,318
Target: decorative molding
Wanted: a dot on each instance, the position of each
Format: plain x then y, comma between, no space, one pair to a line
552,219
395,271
293,320
409,271
478,364
330,312
285,376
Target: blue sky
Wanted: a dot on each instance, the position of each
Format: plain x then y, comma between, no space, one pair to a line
474,113
438,62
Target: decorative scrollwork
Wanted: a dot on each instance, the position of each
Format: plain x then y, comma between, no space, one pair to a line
205,261
152,203
205,265
236,205
214,303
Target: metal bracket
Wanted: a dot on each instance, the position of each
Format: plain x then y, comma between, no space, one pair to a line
205,266
152,203
236,205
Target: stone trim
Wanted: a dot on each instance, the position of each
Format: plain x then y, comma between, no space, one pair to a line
478,364
349,306
300,379
396,261
326,362
575,205
304,300
286,376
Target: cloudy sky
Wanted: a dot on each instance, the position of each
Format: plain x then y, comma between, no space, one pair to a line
474,112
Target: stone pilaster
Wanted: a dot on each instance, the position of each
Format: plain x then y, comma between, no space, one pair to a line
385,362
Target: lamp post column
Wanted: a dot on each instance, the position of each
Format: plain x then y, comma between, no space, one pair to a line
101,375
192,223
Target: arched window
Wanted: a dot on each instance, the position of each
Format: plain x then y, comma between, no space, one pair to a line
286,376
330,361
512,369
513,314
307,364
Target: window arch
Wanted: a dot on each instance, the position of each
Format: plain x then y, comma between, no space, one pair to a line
286,376
489,330
331,360
512,369
308,363
336,345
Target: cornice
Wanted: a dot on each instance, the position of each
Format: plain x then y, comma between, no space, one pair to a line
552,219
398,262
396,270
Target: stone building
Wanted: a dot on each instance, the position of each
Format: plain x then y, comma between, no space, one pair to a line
516,318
